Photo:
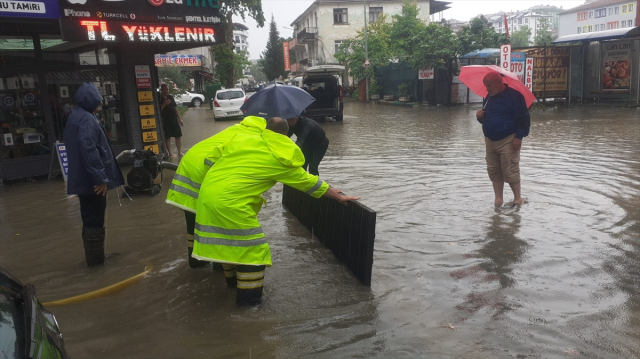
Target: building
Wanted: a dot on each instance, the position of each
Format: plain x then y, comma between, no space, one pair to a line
194,62
599,15
241,42
49,49
530,18
321,28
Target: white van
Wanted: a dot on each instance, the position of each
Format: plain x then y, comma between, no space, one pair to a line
324,83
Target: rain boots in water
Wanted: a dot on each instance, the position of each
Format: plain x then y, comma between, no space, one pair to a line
248,280
193,263
93,239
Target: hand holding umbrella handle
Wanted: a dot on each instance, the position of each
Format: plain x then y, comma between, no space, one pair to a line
480,115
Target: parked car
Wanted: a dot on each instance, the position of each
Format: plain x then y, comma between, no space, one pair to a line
27,329
324,83
227,103
190,99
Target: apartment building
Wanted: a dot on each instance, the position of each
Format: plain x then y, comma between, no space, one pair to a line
598,16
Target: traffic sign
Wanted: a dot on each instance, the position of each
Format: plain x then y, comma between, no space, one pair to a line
366,63
148,123
145,96
147,110
150,136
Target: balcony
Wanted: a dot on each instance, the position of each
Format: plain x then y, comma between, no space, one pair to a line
295,68
293,43
308,35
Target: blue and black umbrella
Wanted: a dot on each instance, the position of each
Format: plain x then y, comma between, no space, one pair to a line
278,101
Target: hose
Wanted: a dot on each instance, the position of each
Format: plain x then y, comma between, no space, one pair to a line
170,165
126,152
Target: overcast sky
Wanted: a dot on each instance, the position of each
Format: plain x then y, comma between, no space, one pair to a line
286,11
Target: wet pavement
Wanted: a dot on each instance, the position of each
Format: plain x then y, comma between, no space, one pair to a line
453,276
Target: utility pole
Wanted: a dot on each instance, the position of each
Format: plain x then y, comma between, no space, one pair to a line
366,51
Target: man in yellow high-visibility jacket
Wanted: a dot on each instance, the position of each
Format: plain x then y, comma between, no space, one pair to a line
227,228
184,189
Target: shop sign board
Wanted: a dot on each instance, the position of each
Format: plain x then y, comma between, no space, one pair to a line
505,57
426,74
63,160
147,110
178,60
154,148
148,123
517,64
550,70
150,136
143,77
145,96
287,60
140,32
37,9
616,71
164,11
528,82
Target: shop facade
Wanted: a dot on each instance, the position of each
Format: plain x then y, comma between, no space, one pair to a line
48,48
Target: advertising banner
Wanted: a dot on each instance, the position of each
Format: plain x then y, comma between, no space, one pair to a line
517,64
528,81
616,72
178,60
63,160
287,60
550,70
505,57
137,32
38,9
426,74
194,12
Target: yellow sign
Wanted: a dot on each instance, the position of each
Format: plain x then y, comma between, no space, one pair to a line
153,148
145,96
147,110
148,123
149,136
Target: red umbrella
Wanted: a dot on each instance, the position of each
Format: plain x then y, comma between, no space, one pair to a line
473,75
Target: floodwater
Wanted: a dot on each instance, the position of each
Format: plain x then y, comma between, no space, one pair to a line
453,277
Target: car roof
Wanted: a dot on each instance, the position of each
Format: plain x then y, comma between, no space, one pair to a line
231,89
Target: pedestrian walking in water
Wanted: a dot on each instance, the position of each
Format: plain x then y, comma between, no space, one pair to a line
505,122
93,169
185,187
311,139
227,229
171,120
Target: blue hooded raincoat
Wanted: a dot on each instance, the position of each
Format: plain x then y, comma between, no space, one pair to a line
91,159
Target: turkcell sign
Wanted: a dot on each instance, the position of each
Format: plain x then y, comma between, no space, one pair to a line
37,9
119,31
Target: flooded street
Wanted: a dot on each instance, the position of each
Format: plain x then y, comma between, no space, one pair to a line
453,277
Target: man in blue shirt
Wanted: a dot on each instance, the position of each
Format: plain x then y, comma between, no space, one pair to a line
505,121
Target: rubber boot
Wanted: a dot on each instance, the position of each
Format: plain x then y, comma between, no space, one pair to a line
217,267
93,239
193,263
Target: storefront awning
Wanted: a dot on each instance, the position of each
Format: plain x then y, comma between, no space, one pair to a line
600,35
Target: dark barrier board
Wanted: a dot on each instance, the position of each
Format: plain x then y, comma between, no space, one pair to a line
348,231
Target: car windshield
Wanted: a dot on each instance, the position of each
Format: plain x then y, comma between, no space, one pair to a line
11,336
230,95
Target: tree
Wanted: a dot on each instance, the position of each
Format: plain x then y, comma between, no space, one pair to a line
272,58
257,73
242,8
478,35
352,53
228,61
544,36
520,38
436,46
406,29
172,75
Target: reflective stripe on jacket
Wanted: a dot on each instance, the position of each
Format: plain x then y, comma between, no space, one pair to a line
227,228
185,186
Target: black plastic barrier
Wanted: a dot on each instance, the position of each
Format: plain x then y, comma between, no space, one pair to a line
348,231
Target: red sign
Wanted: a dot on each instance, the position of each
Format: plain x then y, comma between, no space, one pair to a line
426,74
505,57
528,78
120,31
143,83
287,60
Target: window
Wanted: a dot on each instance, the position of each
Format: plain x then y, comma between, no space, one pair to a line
624,10
630,7
610,11
340,16
613,25
590,14
579,30
600,13
526,21
337,44
519,21
590,28
624,23
237,39
374,13
584,29
616,10
230,95
597,26
583,16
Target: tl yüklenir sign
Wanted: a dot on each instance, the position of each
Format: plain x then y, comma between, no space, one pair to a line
178,60
21,8
119,31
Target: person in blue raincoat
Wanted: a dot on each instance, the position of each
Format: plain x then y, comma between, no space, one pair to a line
93,169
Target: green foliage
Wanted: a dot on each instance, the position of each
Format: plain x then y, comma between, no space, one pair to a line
478,35
227,61
173,75
256,72
252,8
406,30
403,90
544,36
352,51
355,94
374,88
272,59
182,110
520,38
437,44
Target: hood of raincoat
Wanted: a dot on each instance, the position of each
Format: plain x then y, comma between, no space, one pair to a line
254,121
88,97
283,149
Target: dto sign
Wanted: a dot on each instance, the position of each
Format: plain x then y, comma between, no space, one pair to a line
505,57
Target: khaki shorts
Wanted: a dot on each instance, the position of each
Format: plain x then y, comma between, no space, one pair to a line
503,162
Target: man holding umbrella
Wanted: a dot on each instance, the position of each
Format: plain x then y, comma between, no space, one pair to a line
505,122
311,139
